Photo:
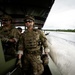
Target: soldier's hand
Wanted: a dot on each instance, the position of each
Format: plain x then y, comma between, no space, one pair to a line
19,63
11,40
45,59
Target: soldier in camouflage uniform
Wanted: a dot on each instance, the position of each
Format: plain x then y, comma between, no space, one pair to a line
8,35
29,48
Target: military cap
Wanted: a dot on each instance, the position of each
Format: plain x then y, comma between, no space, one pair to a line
6,17
27,17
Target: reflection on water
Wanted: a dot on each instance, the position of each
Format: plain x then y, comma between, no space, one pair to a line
62,51
68,36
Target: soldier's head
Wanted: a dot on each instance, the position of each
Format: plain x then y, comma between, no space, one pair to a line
20,29
29,21
6,20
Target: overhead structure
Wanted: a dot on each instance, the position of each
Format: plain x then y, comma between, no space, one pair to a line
17,9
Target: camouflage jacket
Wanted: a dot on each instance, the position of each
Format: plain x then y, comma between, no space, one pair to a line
6,34
32,40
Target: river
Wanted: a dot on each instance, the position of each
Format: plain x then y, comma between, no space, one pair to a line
62,51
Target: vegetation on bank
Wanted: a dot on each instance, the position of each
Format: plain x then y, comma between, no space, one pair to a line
64,30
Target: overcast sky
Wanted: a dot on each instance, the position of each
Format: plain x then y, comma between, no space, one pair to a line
61,16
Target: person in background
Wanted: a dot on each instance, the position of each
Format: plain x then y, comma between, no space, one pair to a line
9,35
20,29
29,54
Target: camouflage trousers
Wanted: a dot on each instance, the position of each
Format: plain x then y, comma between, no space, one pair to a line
32,64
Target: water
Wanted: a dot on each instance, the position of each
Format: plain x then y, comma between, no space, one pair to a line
62,51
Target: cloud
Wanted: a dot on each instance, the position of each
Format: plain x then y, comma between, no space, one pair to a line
62,15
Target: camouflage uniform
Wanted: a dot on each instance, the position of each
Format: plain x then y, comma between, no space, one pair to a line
6,34
30,44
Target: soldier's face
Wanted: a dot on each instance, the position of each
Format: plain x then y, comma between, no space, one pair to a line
29,23
6,22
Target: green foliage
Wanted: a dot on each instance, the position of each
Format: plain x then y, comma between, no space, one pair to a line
64,30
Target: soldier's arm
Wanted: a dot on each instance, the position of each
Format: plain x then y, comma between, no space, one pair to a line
20,47
20,51
15,33
44,42
2,37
